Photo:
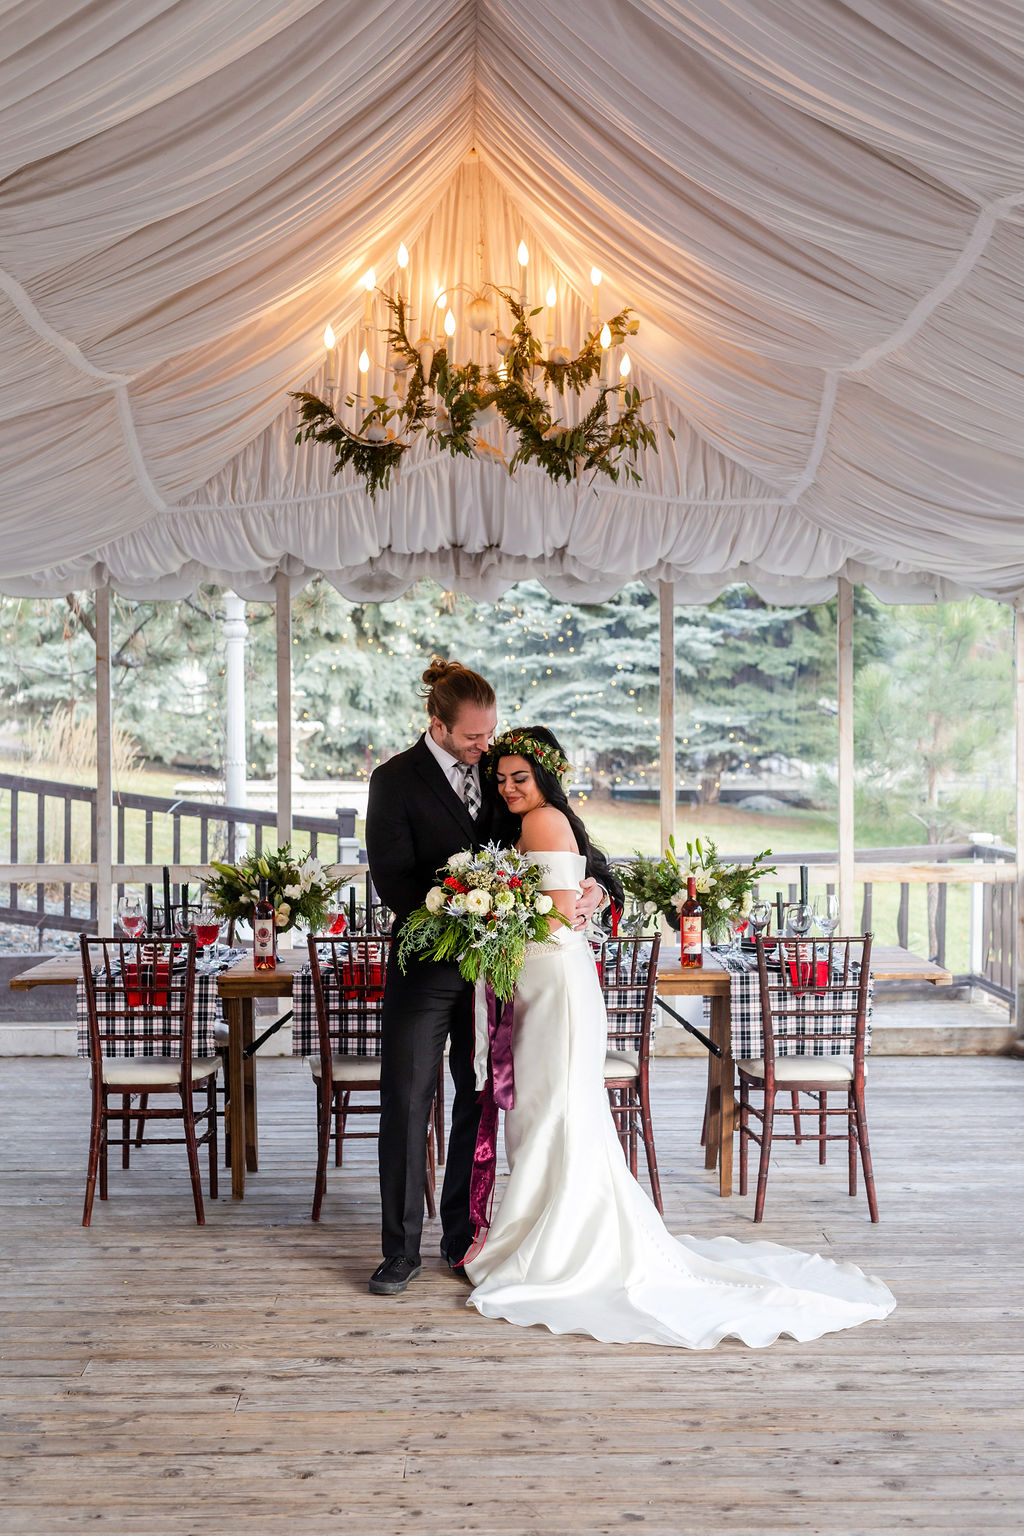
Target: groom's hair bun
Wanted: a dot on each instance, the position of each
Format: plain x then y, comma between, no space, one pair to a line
448,685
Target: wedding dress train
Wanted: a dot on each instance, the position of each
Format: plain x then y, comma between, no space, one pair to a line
576,1244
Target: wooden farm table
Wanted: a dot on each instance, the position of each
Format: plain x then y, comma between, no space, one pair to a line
242,984
888,963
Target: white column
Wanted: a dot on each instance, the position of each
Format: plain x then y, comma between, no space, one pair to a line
235,759
667,673
1018,954
104,768
844,673
283,600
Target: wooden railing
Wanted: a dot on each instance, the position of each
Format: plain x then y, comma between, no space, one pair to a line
52,833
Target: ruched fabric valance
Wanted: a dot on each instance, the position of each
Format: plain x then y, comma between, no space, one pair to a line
816,209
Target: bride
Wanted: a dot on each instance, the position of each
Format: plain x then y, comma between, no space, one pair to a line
576,1244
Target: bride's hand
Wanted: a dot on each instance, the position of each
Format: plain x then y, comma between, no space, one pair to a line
590,898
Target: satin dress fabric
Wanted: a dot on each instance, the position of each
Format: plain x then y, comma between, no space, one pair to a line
577,1246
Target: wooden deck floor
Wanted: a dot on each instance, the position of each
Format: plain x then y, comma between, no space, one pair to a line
162,1378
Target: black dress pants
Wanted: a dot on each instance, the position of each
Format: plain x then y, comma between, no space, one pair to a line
422,1009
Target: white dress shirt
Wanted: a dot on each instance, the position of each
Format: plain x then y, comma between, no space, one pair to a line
454,771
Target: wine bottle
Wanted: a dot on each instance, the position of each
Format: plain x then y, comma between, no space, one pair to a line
691,926
264,922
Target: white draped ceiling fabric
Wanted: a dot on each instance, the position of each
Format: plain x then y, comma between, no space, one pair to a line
815,208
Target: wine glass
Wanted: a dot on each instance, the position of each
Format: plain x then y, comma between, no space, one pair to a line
336,922
207,931
760,917
131,915
826,914
799,917
183,921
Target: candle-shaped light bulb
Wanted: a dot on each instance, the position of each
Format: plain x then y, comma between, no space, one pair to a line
624,367
332,357
606,336
364,361
449,324
329,337
595,283
364,376
370,281
403,256
523,257
551,297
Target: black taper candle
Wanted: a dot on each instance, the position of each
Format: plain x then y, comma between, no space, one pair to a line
778,908
167,900
149,909
184,901
351,909
369,905
803,885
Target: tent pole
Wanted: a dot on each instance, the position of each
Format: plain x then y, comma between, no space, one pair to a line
1018,949
283,603
667,670
844,671
104,768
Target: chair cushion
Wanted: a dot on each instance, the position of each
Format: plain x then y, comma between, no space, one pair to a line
155,1071
621,1064
804,1069
350,1069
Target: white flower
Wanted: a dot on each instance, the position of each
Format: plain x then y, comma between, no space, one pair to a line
478,902
293,892
460,860
724,903
703,883
283,912
650,907
746,903
504,901
542,903
676,899
458,902
435,899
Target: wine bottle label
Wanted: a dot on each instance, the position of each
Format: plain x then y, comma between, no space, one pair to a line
690,934
263,937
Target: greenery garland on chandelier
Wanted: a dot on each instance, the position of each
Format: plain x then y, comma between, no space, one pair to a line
453,404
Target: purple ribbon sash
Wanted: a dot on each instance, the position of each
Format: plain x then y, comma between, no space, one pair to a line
497,1093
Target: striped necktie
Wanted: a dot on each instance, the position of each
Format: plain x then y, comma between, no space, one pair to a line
470,793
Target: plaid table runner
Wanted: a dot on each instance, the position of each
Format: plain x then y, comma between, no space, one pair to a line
747,1036
208,1012
361,1033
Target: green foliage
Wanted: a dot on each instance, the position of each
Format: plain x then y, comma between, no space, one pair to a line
726,889
300,890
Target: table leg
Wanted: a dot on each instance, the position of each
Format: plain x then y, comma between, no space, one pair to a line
713,1134
236,1093
725,1079
251,1134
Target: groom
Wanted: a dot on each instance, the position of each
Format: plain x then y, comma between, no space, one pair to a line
424,805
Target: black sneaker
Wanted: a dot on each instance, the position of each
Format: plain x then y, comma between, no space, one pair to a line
392,1277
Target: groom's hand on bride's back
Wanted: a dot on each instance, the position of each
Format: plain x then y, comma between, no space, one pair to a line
590,899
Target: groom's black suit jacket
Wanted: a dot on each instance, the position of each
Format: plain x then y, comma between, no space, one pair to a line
415,821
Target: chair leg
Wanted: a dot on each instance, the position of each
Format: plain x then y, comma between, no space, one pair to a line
647,1127
439,1115
865,1154
140,1128
126,1129
340,1121
766,1152
211,1131
323,1119
92,1167
429,1181
744,1134
794,1099
189,1121
707,1112
822,1128
104,1147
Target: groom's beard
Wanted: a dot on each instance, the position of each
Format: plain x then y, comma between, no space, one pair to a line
461,754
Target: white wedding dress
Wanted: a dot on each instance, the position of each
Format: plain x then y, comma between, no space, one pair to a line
576,1244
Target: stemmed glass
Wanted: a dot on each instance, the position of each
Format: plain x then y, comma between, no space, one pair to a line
131,915
207,930
760,917
826,914
799,917
337,920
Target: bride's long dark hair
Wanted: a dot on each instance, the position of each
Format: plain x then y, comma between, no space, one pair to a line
550,786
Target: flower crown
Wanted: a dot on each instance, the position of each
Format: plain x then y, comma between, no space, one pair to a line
520,744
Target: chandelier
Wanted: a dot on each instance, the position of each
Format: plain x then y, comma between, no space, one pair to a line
569,413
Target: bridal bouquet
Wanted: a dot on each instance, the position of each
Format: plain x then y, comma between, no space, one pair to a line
725,889
482,914
300,889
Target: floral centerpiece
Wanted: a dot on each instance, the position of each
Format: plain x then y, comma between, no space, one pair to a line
300,889
482,914
658,886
